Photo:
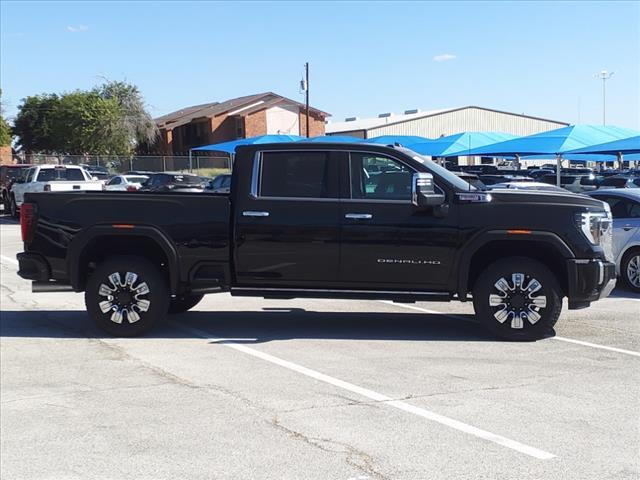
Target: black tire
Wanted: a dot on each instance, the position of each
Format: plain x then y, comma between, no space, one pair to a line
629,266
524,320
13,208
183,303
124,296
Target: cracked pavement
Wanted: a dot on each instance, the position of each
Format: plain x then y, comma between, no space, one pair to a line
75,404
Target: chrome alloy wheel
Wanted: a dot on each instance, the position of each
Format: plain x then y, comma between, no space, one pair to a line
515,300
633,271
124,297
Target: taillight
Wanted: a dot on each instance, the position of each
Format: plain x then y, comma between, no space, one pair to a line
47,188
132,188
28,213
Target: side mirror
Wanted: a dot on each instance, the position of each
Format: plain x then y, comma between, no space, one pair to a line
423,193
95,179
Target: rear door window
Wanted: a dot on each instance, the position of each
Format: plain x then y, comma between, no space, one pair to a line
296,174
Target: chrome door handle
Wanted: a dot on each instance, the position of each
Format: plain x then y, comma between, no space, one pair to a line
627,227
358,216
250,213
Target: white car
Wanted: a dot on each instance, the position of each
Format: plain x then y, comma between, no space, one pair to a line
127,183
625,208
50,178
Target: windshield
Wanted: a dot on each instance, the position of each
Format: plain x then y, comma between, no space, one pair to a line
136,179
439,170
186,179
15,172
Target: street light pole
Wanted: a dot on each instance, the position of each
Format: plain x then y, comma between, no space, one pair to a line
604,76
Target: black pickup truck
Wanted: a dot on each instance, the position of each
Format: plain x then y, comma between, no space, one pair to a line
342,220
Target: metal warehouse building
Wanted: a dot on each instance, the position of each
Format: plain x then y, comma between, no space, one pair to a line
439,123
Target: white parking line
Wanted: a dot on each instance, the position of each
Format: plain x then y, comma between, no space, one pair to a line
10,260
562,339
378,397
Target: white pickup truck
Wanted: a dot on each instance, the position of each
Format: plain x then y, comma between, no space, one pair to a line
50,178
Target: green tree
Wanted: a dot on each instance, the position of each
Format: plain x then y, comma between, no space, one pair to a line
136,123
34,123
86,123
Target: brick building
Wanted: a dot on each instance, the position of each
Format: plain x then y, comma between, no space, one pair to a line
260,114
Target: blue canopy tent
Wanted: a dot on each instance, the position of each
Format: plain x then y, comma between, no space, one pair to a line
230,147
403,140
459,143
555,142
627,146
332,138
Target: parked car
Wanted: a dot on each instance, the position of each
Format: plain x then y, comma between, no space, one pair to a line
301,221
619,181
50,178
97,171
128,183
573,183
625,208
541,172
491,179
538,186
173,182
220,184
8,175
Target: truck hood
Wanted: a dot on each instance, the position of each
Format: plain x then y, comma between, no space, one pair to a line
545,197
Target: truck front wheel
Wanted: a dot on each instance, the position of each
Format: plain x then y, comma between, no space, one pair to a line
517,299
126,295
183,303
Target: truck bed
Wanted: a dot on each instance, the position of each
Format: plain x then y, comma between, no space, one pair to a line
197,225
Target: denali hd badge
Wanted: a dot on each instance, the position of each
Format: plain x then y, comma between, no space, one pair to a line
408,261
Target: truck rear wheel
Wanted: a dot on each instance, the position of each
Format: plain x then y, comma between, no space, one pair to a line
183,303
517,299
126,295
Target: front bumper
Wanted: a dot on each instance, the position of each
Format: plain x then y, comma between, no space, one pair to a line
588,281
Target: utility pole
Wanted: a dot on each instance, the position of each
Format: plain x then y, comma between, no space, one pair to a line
306,95
604,76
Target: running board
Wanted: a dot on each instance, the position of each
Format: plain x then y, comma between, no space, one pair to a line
39,287
290,293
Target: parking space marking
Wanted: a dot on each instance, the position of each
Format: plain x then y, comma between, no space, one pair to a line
372,395
562,339
10,260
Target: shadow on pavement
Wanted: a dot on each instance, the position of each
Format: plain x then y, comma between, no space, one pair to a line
620,292
258,327
7,220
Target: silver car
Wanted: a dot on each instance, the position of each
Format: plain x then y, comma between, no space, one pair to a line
625,208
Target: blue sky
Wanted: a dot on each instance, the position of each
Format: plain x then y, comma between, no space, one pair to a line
537,58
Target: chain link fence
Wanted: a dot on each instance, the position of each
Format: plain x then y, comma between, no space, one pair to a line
203,165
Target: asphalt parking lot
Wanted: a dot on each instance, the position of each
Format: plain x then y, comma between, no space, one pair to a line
313,389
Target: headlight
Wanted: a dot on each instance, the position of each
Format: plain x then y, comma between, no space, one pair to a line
597,228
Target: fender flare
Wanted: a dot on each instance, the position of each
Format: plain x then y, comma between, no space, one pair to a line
476,243
82,240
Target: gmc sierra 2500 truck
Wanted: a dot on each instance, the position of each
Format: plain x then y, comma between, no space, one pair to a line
349,221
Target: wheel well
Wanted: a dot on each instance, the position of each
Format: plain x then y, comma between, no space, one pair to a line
100,248
543,252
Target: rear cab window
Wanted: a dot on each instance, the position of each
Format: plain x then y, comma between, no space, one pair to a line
60,174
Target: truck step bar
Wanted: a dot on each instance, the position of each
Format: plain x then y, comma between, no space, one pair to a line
38,287
289,293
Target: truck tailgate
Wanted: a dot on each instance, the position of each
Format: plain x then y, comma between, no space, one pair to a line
70,185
